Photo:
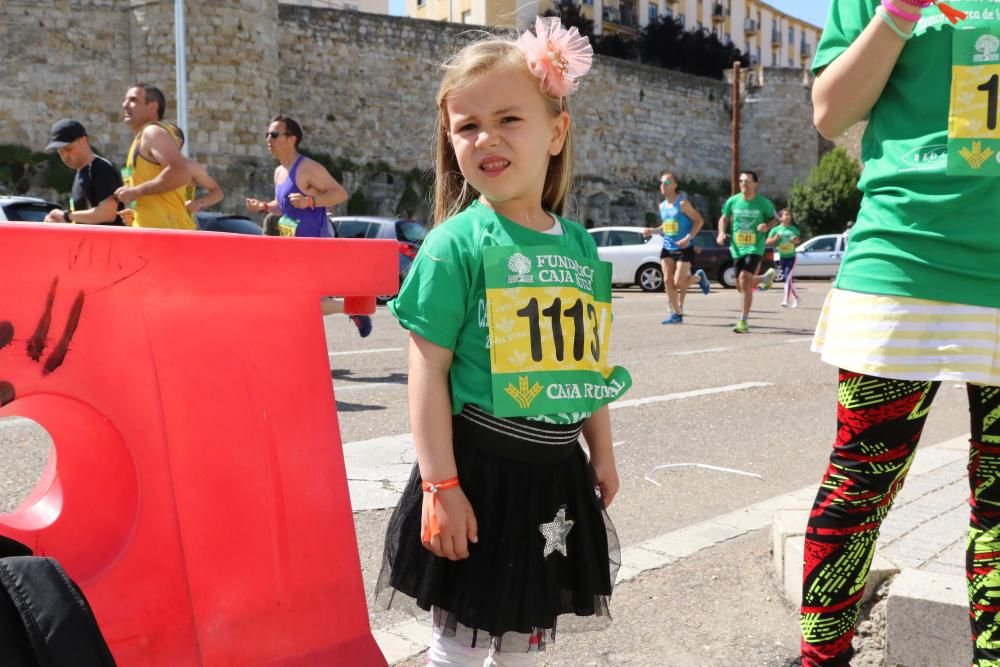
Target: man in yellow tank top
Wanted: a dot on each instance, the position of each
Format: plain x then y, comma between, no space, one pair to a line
155,171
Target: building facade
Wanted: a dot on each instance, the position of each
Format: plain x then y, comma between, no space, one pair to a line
370,6
770,37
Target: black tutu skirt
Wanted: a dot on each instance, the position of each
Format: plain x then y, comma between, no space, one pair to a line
526,481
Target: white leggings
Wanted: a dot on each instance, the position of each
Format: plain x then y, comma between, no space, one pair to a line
457,651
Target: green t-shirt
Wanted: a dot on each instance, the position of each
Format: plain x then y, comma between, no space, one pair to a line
786,240
746,216
920,233
443,298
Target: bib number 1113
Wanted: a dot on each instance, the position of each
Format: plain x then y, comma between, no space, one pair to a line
554,313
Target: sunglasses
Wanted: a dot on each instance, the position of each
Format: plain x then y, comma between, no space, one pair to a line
274,134
666,181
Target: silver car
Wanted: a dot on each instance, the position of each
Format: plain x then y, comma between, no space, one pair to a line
25,209
408,233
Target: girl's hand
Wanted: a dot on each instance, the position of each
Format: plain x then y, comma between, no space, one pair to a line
456,520
607,479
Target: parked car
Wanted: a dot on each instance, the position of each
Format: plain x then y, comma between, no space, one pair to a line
636,258
25,209
223,222
820,256
408,233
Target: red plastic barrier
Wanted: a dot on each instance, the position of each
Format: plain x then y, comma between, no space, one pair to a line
197,489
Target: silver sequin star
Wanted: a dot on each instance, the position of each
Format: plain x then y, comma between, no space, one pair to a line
555,533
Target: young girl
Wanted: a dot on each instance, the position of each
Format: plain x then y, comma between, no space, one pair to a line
786,237
502,527
917,299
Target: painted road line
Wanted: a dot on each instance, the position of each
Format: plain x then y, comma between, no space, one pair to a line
339,388
635,402
707,350
405,640
371,351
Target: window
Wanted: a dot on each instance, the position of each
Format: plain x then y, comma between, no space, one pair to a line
620,238
791,62
352,229
668,12
467,16
700,26
728,39
420,3
600,238
681,20
774,60
823,245
791,34
410,230
652,13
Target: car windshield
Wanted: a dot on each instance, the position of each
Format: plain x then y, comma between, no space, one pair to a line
410,230
27,211
352,229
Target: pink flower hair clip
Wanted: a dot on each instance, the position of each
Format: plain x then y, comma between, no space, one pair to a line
557,56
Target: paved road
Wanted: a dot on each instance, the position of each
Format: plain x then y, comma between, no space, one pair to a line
758,403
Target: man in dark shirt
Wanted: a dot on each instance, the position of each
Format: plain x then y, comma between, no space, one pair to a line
92,197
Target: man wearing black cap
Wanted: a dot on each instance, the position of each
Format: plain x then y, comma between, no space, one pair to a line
92,198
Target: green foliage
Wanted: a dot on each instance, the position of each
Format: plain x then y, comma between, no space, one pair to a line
651,219
829,197
666,43
357,204
409,201
571,16
715,195
16,160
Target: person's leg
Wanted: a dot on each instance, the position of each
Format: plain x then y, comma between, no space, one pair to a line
982,559
879,422
334,306
462,648
790,283
668,265
683,279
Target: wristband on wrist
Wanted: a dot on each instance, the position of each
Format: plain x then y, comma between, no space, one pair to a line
882,14
433,527
888,6
68,216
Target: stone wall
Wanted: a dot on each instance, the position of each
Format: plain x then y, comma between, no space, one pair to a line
363,87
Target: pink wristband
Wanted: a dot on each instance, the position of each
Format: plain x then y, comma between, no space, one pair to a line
899,13
919,4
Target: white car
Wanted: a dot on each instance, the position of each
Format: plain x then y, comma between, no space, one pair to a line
25,209
820,256
635,258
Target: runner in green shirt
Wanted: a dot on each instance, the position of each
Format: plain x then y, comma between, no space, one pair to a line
785,238
752,216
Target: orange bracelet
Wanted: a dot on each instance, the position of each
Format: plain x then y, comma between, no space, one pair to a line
433,527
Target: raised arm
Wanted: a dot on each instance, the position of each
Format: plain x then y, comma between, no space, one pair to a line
848,88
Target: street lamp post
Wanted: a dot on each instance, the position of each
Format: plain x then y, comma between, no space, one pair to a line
181,69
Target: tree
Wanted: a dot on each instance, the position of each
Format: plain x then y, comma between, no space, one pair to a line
571,16
665,43
829,197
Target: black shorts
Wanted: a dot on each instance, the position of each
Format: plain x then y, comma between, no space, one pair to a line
679,255
748,263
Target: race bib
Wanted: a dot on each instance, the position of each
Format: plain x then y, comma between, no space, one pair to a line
746,238
670,227
287,226
786,247
549,319
973,131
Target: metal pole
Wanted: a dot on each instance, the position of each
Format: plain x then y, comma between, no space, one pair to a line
181,69
735,182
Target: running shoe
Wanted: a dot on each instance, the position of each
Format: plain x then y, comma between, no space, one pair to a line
363,323
795,302
741,327
673,319
703,283
768,278
784,304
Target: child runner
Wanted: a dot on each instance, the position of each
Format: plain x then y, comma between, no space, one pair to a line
500,529
786,237
680,223
917,299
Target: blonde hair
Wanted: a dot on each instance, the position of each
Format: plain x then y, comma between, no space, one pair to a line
452,193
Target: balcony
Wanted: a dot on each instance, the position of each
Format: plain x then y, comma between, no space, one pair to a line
718,13
621,17
750,27
673,2
805,51
776,40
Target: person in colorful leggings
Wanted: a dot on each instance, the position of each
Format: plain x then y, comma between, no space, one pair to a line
785,237
917,299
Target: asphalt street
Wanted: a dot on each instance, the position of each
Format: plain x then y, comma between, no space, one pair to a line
759,403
